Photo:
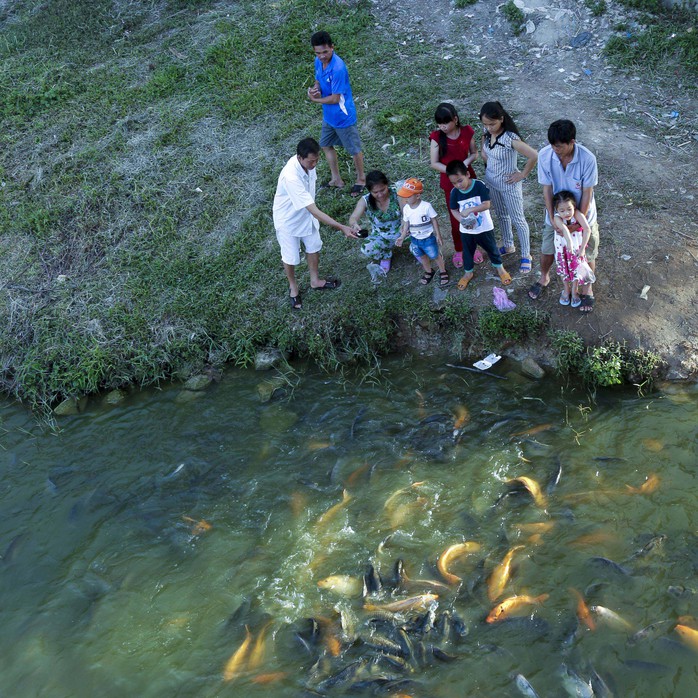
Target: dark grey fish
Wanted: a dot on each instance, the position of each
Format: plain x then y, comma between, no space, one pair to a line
383,644
372,582
554,478
652,631
459,626
440,418
654,544
348,675
600,686
609,459
647,667
406,643
524,628
605,563
355,422
574,685
12,550
441,655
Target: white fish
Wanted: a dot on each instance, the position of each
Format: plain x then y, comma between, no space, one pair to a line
574,685
524,686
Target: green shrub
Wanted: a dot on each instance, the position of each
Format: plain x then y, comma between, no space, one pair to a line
603,365
641,367
462,4
515,16
495,326
569,351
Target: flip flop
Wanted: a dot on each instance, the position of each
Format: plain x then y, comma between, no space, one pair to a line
478,258
564,299
535,290
357,190
328,285
576,302
525,266
504,277
463,283
296,302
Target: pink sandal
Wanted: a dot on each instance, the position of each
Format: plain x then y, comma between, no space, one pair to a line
478,258
457,260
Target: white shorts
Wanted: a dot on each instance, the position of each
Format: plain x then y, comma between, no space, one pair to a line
291,246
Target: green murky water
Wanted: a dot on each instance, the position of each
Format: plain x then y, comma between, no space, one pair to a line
111,586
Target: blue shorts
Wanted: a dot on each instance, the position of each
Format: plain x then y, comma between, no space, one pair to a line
347,137
427,246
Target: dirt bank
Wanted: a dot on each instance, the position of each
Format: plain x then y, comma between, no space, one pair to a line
647,158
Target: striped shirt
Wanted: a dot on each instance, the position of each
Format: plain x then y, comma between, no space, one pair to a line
419,219
501,159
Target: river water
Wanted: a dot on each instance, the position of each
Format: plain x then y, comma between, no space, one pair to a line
144,543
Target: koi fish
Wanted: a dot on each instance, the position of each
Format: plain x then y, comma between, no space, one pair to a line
273,677
533,430
533,487
462,417
524,686
652,631
513,606
654,445
199,527
688,635
356,474
342,584
593,538
574,685
610,618
389,502
450,554
234,666
583,612
404,582
414,603
317,445
647,487
258,649
332,511
500,575
329,633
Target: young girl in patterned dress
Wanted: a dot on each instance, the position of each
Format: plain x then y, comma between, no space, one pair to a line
383,209
570,245
501,146
449,142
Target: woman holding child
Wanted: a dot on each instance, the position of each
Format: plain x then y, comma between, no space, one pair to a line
383,209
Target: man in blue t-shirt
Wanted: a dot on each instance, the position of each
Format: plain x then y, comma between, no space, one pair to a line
333,91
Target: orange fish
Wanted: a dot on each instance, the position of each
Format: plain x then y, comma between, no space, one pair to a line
451,553
318,445
688,635
272,677
258,649
533,430
654,445
329,634
500,575
648,486
594,538
359,472
462,417
199,527
533,487
332,511
299,503
235,665
583,612
513,606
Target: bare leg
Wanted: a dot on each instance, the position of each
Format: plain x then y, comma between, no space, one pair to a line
291,276
313,259
425,262
546,261
359,165
440,263
331,155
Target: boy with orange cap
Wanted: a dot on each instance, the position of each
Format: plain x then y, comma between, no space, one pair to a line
419,222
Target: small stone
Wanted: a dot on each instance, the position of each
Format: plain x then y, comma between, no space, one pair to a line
198,382
71,406
529,367
185,396
114,397
268,390
267,359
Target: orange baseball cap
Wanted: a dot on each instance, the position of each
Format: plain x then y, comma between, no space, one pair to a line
411,186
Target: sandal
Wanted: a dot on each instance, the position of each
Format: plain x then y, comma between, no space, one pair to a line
504,276
478,258
564,298
385,265
525,266
506,250
535,290
463,283
357,190
576,301
428,276
296,302
329,284
586,304
457,260
443,278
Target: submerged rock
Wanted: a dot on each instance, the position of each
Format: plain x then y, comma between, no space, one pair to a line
199,382
529,367
114,397
71,405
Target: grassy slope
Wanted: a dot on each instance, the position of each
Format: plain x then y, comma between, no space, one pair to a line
140,148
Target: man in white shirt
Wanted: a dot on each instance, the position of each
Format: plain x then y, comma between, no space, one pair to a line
566,165
297,219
